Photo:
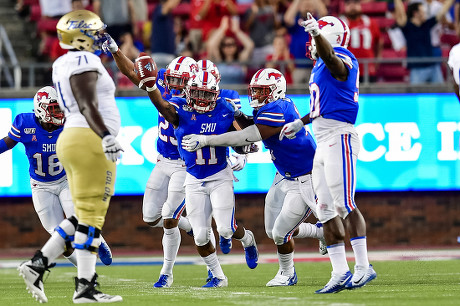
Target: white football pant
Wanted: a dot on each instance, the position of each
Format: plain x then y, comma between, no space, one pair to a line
52,202
164,194
287,204
334,175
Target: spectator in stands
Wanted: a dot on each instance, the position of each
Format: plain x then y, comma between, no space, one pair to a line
223,50
365,37
416,29
281,59
205,16
261,20
432,8
298,11
163,39
121,24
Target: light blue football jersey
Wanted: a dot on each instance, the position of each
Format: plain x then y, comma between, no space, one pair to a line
207,160
40,146
291,157
331,98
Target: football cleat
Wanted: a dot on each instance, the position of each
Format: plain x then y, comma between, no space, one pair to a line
32,272
216,283
225,244
105,255
322,246
361,277
282,279
86,292
165,281
337,283
251,253
210,276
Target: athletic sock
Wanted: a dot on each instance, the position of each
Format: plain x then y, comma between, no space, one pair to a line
247,239
54,247
308,230
286,262
213,264
171,243
72,258
86,264
338,258
359,245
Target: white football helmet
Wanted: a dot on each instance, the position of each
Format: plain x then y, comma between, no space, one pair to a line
178,73
46,107
267,85
81,30
207,65
202,92
334,30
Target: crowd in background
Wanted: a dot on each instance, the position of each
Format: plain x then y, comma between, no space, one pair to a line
242,36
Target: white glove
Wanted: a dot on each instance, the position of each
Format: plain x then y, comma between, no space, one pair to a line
252,148
193,142
237,110
311,25
290,129
112,149
109,44
240,161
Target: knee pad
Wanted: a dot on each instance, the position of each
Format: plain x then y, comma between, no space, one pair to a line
226,232
66,229
87,238
201,236
279,238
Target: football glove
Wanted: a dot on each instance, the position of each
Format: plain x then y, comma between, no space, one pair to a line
252,148
109,44
193,142
290,129
112,149
240,161
237,110
310,25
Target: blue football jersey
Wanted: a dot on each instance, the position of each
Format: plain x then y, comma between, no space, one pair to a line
291,157
166,141
40,146
207,160
231,95
331,98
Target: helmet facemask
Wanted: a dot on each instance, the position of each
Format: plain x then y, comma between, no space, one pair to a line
175,83
46,107
260,94
202,99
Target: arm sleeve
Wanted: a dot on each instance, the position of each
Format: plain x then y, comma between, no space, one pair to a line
244,137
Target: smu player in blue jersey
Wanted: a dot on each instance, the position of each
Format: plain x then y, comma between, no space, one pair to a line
38,132
334,92
209,181
290,199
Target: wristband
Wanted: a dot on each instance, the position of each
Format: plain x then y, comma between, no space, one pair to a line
3,146
105,133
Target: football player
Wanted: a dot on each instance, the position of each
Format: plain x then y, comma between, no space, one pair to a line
38,132
87,149
454,65
290,199
334,90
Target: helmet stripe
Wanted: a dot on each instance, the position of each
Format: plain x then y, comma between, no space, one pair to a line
205,78
179,62
204,65
258,73
344,39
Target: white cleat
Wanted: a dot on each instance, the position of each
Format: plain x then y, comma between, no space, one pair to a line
85,292
361,276
281,279
32,272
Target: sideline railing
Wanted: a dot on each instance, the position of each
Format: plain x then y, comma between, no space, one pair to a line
15,79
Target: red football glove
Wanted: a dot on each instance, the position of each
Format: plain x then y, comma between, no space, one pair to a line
146,71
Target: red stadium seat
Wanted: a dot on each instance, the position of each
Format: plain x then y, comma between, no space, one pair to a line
383,22
182,9
386,40
393,72
47,25
35,13
450,39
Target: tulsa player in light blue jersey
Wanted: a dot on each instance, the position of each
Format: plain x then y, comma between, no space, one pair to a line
209,181
290,199
334,89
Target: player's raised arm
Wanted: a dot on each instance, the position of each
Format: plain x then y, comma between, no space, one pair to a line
146,71
125,65
324,49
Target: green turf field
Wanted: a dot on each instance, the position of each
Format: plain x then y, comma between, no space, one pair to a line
397,283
